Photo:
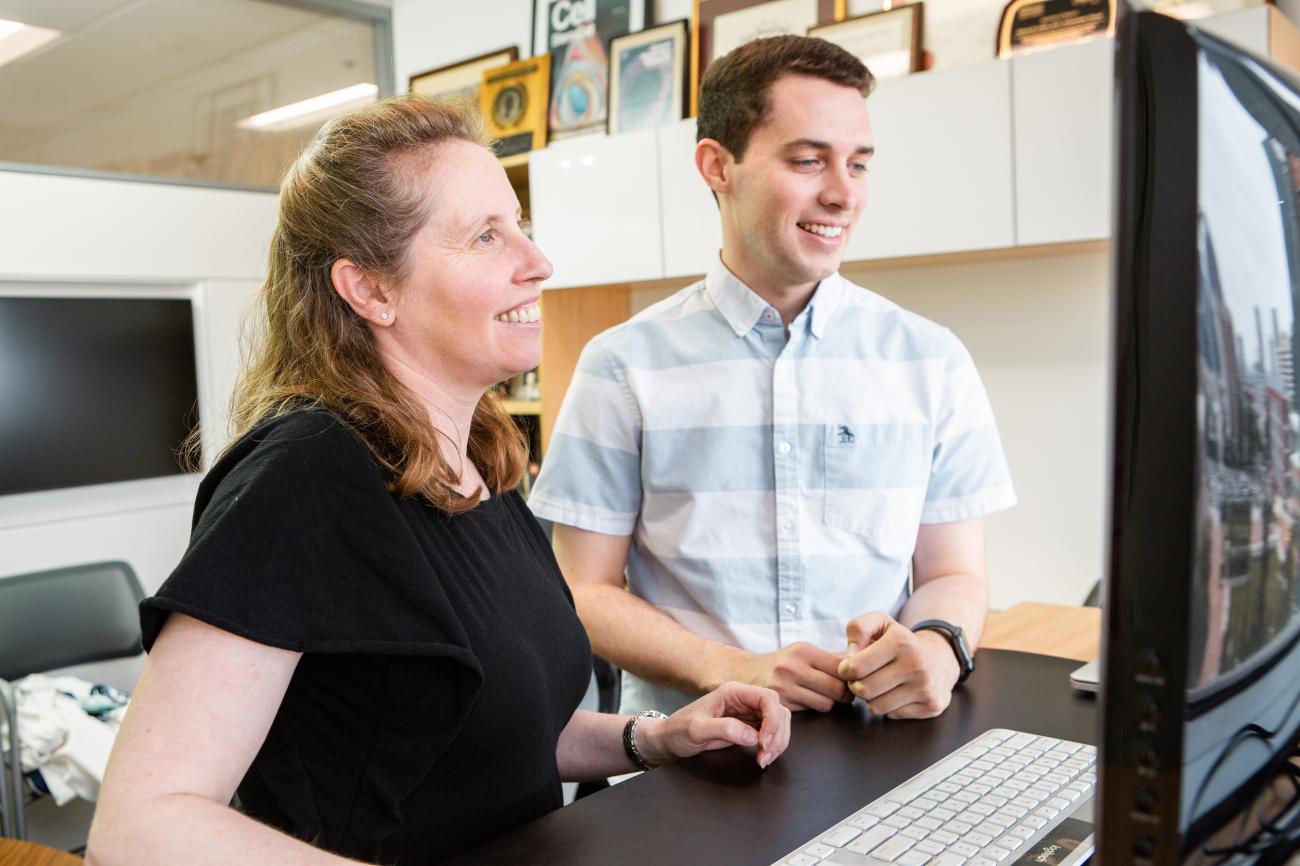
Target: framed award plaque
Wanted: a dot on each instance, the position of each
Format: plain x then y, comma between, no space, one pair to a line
888,42
513,99
1032,25
720,25
460,80
647,77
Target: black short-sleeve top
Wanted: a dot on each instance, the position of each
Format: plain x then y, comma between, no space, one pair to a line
442,655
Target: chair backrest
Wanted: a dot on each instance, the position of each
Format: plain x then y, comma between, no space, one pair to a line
68,616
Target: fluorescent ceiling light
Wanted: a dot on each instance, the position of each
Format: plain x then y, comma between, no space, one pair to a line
17,39
309,111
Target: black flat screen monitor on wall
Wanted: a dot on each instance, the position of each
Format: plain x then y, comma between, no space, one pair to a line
1201,658
93,390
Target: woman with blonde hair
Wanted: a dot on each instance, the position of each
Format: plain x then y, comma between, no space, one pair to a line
368,637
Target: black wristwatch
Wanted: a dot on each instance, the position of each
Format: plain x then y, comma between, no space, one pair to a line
956,640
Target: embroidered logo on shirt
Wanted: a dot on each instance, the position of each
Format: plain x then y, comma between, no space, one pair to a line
845,435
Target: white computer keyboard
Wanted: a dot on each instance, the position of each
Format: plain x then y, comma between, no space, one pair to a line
989,800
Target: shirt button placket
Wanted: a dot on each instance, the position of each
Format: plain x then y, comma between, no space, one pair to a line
786,474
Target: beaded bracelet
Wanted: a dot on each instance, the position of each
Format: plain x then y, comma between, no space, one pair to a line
629,738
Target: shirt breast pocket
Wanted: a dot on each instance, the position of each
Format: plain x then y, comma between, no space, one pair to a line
875,478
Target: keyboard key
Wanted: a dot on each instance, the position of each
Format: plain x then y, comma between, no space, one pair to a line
1024,832
897,822
1002,752
936,795
981,861
1013,810
891,848
980,809
994,800
979,840
1035,822
943,814
947,858
883,808
915,833
801,860
910,812
863,821
992,829
913,858
980,788
1047,812
1010,842
929,846
841,836
818,850
944,837
973,752
925,804
996,854
1019,741
971,818
1058,803
982,765
961,828
965,797
947,787
1058,778
928,823
965,849
869,839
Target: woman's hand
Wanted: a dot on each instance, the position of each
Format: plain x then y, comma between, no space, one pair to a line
734,714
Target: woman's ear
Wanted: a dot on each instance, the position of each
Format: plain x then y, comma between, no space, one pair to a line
361,293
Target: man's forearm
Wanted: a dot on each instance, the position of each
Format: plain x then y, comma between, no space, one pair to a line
961,599
640,639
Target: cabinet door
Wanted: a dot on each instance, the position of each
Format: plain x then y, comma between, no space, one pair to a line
692,230
940,181
595,208
1064,121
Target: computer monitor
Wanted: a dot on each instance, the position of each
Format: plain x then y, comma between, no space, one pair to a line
93,390
1201,652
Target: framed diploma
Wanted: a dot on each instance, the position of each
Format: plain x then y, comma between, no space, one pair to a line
460,80
577,35
1188,9
1032,25
513,99
720,25
647,77
889,43
955,33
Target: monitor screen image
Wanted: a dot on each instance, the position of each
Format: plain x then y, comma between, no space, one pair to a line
1201,658
93,390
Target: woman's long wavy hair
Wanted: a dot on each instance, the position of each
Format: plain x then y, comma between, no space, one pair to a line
359,191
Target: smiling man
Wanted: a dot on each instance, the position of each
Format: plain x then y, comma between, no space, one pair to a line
744,476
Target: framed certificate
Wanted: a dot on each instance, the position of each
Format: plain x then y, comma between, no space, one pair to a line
514,100
889,43
720,25
955,33
647,77
460,80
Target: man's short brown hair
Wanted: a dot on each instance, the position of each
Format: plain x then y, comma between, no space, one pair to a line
733,94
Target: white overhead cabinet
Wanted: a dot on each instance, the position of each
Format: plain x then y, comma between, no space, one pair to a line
1064,135
692,232
940,181
595,208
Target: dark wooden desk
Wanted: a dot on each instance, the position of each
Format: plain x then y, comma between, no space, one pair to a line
721,809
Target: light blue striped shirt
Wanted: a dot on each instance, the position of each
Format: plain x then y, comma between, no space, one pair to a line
772,488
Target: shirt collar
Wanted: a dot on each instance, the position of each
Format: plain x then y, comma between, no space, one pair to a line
742,307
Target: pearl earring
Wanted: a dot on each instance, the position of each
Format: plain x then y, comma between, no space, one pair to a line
384,315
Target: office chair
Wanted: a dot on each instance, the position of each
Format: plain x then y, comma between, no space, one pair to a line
50,620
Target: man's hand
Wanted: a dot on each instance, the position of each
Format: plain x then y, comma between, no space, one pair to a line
899,673
805,676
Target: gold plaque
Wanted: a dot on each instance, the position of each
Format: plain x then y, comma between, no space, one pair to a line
514,100
1032,25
